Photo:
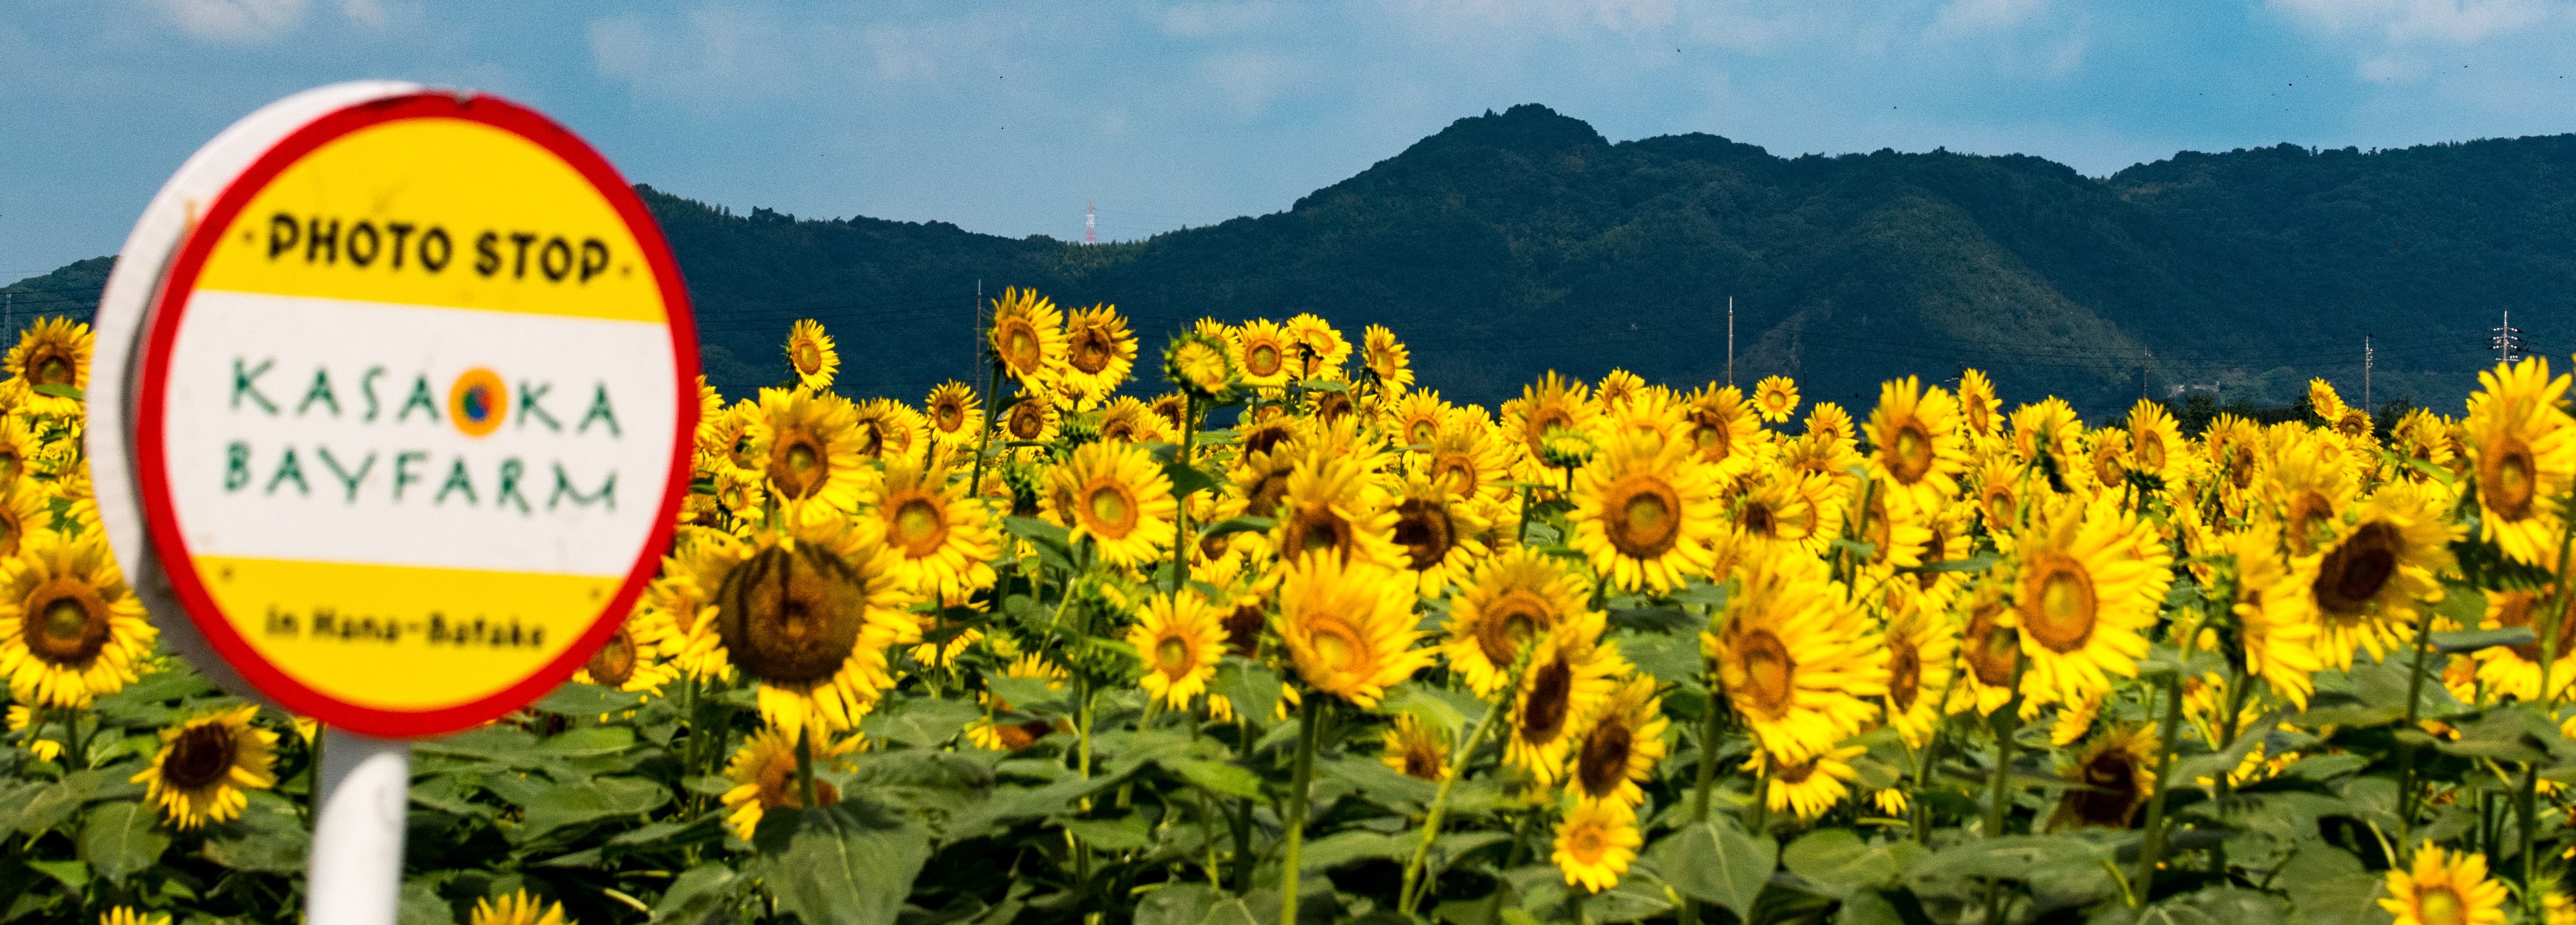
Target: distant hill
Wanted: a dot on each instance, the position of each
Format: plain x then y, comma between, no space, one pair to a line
1508,244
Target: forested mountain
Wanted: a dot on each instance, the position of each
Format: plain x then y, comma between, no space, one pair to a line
1512,243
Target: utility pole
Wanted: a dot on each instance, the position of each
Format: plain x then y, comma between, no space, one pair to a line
1090,233
2367,355
1730,340
2142,374
2507,340
973,375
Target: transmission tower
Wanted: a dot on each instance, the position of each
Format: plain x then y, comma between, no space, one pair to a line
2507,342
1090,230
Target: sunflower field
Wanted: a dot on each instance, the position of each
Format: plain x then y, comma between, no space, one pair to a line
1297,640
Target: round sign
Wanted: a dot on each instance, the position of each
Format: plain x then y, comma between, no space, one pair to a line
411,410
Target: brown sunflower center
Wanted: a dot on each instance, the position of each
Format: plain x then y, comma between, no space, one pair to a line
920,525
778,788
2506,477
809,357
1904,674
1770,675
66,623
2355,570
2058,606
2310,512
2115,797
790,617
614,664
2440,905
1603,763
1263,500
1337,646
1243,629
1587,843
1458,470
1092,349
1759,520
53,369
2516,609
798,465
1109,509
1544,420
1020,346
1646,518
1422,527
1315,528
1934,551
11,529
2150,449
1261,360
1510,621
200,757
1027,421
1421,761
1332,406
1421,431
1549,702
2240,467
1172,657
951,415
1993,650
1910,455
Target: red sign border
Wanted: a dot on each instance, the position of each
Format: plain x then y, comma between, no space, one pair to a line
170,303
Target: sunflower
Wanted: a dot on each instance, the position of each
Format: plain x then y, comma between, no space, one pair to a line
955,414
679,609
1980,412
2048,432
2423,440
1620,742
205,765
1181,638
24,508
809,446
1808,787
2514,671
1387,359
49,367
1775,398
29,727
1416,750
1569,672
1595,842
1415,418
1722,428
1788,509
1027,336
1513,598
1794,658
1551,404
2523,449
1032,419
2156,445
810,352
1465,454
2445,888
945,540
1438,533
886,428
1922,654
2313,493
1011,737
763,772
1331,504
1990,651
1915,447
1830,420
1895,540
1263,352
810,613
2278,638
1129,420
1646,512
2117,768
1315,349
1114,495
625,663
1099,353
1202,365
19,448
70,630
2091,579
519,908
2107,458
2367,586
1348,627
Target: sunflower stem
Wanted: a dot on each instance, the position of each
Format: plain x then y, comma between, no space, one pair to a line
1405,896
2526,804
2406,751
805,770
1521,535
1299,779
2237,693
1710,724
2151,852
984,439
2010,725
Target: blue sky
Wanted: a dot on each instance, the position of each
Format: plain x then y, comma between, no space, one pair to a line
1006,117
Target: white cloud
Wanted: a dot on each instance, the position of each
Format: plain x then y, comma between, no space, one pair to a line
712,54
2445,22
1203,20
234,21
1250,80
369,13
1962,17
